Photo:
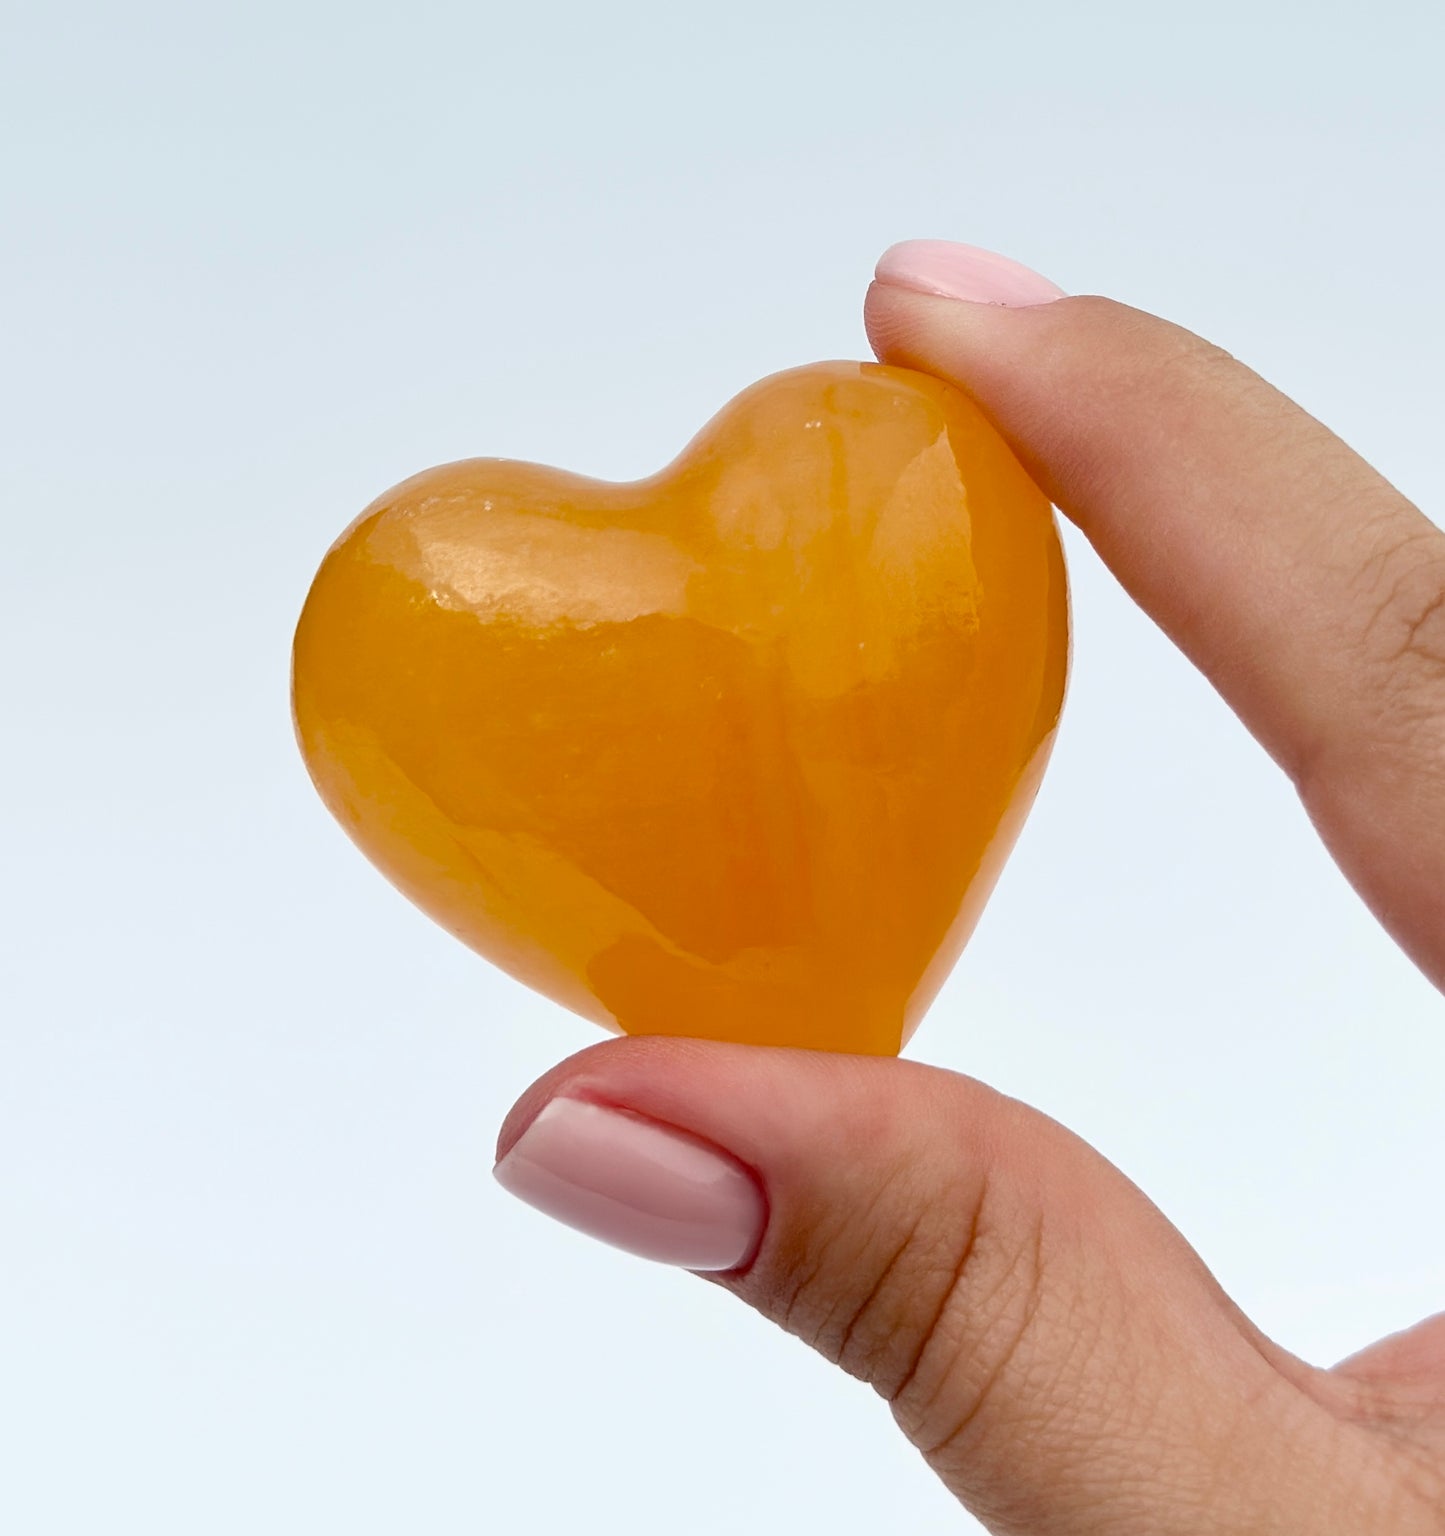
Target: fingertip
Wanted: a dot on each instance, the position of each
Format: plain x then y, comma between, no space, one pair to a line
535,1099
881,317
644,1186
660,1075
967,272
993,352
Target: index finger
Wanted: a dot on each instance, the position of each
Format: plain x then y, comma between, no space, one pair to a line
1305,586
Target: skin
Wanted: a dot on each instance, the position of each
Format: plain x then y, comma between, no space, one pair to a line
1062,1358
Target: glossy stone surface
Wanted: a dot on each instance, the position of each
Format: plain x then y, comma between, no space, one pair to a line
736,751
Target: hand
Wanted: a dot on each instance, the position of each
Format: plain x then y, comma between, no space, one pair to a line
1054,1348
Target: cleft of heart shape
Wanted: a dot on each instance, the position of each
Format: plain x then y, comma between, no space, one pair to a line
736,751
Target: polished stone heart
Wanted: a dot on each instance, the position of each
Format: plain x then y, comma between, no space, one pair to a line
736,751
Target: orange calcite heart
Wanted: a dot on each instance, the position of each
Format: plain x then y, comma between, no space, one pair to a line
736,751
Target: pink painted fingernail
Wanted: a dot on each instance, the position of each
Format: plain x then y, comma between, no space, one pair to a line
636,1184
964,272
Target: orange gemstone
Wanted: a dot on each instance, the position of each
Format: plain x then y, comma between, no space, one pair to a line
736,751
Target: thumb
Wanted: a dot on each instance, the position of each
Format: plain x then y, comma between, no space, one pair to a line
1045,1338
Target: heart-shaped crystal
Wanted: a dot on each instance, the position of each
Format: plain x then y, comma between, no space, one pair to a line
736,751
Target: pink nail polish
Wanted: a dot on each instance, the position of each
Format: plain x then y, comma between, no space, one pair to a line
964,272
637,1184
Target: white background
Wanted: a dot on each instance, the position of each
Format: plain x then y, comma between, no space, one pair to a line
260,262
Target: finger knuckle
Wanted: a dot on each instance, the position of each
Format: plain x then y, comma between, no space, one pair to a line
855,1283
964,1306
1402,639
1403,581
945,1316
932,1309
980,1346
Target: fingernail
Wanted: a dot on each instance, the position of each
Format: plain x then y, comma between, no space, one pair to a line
964,272
639,1185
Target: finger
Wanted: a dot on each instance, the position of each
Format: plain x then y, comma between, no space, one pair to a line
1308,589
1400,1386
1413,1358
1047,1340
